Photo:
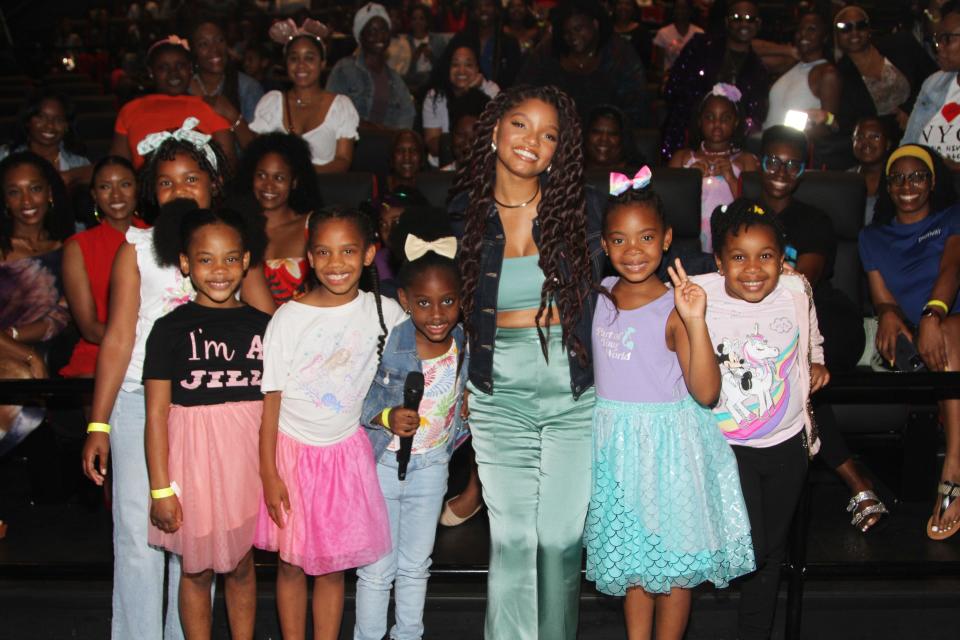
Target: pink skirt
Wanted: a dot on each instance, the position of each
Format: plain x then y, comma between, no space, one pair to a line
338,518
214,458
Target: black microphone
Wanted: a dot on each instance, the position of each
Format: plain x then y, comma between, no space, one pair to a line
412,393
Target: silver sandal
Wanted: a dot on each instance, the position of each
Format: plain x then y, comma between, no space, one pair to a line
860,516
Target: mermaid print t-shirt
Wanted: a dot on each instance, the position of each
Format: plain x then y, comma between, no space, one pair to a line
322,360
757,347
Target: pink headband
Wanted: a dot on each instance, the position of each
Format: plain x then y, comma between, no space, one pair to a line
176,41
285,31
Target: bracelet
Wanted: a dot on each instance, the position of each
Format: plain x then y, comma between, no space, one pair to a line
830,119
159,494
98,427
385,418
939,304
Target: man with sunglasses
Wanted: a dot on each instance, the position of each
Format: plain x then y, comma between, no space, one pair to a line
934,120
709,59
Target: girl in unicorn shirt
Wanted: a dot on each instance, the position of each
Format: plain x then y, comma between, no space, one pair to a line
763,327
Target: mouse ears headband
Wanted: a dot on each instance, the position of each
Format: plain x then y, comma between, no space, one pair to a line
286,31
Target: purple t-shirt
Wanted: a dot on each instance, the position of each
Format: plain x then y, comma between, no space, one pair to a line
631,361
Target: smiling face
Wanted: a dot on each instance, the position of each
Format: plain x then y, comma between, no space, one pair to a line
810,36
433,301
718,120
750,262
338,254
407,157
485,12
580,34
171,71
182,177
216,262
912,196
26,194
604,144
870,142
463,69
778,180
527,137
857,38
743,22
272,182
635,238
48,126
375,36
114,190
304,62
209,45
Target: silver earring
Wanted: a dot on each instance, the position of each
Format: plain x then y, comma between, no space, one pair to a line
493,145
549,167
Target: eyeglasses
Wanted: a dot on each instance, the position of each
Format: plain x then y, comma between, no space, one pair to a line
742,17
944,39
773,164
847,27
916,179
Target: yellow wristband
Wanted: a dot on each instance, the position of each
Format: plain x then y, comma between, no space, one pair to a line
939,304
830,119
158,494
385,418
98,427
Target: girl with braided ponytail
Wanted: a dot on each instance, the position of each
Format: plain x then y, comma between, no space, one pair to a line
530,261
323,508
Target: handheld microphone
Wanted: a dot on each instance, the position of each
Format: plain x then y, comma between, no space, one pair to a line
412,394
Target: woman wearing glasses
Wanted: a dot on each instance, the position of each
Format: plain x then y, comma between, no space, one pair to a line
913,269
933,121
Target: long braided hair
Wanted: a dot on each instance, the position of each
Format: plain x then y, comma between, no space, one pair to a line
371,276
561,212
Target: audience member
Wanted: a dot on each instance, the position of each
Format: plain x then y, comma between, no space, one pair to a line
326,121
408,155
377,91
626,25
608,143
871,146
427,47
499,52
670,40
586,62
522,23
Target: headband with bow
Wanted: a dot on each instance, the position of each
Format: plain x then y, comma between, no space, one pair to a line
284,31
728,91
200,141
415,247
620,183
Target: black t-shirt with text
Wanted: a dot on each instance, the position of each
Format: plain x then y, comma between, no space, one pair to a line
210,355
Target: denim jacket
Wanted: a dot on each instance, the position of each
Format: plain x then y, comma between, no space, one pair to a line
400,358
484,320
932,95
352,78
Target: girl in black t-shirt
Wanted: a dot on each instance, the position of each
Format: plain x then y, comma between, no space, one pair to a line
201,377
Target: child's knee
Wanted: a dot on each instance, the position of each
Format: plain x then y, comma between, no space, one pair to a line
288,571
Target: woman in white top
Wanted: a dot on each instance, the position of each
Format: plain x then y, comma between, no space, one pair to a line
326,121
457,74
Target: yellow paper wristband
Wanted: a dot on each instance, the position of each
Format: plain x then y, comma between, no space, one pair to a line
830,119
158,494
385,418
98,427
939,304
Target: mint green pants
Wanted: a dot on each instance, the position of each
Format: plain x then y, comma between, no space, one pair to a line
533,448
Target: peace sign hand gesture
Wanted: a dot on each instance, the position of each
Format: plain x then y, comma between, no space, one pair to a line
690,299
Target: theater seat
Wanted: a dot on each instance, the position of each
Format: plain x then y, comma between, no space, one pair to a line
646,143
842,196
97,148
346,189
435,185
679,189
371,153
89,126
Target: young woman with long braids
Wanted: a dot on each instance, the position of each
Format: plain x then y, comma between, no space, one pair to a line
530,261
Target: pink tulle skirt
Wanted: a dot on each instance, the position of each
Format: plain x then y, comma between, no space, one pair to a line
338,518
214,459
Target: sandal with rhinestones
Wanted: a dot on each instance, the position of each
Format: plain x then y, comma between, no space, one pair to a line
947,492
860,515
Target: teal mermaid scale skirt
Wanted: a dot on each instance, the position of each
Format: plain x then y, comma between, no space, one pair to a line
666,508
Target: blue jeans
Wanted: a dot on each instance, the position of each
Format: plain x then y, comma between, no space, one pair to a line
137,567
414,509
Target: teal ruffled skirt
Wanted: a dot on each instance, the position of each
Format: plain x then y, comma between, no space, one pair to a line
666,508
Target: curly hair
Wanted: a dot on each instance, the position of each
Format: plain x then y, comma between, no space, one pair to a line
58,220
231,80
440,76
168,151
561,212
429,224
742,214
371,278
305,196
252,238
31,109
643,197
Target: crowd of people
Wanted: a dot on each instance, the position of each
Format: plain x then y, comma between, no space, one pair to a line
278,372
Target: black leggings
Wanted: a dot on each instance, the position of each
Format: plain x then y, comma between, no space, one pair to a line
772,480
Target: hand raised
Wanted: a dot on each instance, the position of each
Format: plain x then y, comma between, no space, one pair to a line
689,298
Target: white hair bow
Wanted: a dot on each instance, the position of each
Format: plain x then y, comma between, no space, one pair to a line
200,141
416,247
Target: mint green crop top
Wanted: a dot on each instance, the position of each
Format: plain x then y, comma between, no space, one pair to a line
520,283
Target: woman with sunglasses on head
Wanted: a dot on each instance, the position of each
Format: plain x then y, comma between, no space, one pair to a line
913,269
931,121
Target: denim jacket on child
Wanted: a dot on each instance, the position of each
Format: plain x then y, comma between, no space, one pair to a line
400,358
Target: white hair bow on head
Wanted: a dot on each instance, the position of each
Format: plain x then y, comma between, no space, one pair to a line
416,247
200,141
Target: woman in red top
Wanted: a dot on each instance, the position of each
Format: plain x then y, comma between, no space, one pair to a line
171,68
88,258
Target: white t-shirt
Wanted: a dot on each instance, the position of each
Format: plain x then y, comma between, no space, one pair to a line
323,360
672,43
162,289
942,131
341,122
